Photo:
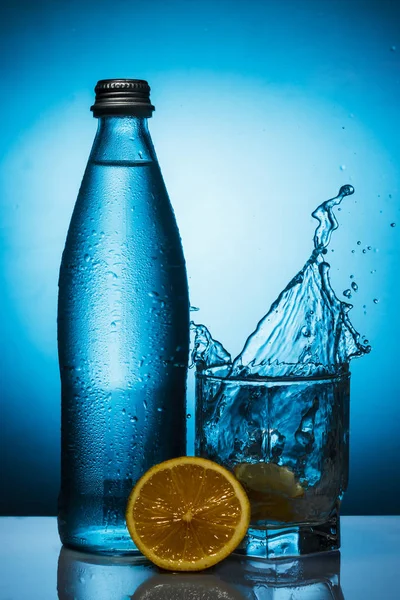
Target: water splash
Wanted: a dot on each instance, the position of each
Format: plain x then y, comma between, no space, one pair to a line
306,332
207,352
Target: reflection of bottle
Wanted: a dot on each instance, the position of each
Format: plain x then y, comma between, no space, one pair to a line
87,577
123,325
314,577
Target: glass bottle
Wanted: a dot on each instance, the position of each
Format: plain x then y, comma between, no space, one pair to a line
123,326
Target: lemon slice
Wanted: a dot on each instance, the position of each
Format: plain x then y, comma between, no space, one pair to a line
269,478
272,491
187,514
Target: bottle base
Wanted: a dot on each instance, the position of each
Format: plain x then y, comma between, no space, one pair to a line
291,541
112,542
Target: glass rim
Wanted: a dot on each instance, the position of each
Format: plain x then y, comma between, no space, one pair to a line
290,379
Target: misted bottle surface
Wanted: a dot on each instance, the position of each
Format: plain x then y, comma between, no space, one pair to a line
123,326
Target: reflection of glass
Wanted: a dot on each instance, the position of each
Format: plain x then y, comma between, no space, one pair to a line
314,577
87,577
287,442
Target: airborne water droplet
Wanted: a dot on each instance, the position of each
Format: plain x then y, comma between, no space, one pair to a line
194,309
354,286
347,293
359,243
376,300
392,224
188,416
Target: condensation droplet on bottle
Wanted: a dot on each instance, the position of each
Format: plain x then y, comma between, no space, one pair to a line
305,331
347,293
87,257
354,286
154,295
134,419
393,48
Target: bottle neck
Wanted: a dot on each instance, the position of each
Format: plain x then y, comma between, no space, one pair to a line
123,139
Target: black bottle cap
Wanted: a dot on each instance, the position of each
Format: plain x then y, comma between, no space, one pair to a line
122,97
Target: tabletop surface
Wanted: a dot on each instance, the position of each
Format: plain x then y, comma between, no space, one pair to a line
32,565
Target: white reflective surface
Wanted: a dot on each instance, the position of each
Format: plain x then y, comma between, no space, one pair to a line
31,566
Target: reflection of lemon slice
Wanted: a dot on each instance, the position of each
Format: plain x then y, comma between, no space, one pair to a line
269,478
186,587
187,514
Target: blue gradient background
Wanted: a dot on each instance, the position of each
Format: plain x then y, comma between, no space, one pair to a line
263,110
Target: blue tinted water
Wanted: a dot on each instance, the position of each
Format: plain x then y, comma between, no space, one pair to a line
285,398
306,332
123,337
